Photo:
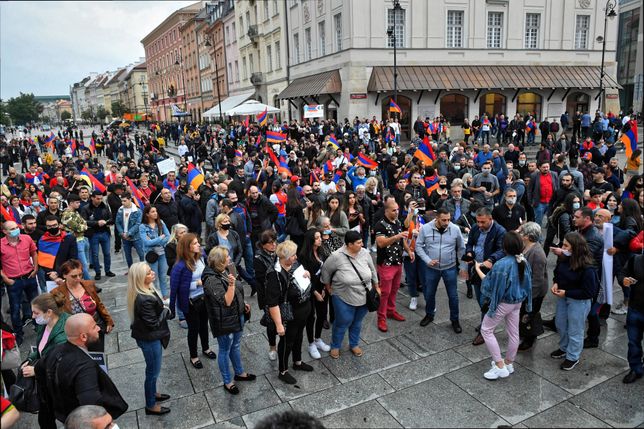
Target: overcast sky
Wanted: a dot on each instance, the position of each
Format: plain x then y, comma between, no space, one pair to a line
47,46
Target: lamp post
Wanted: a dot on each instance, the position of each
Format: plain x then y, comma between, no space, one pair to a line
179,62
609,12
221,118
391,32
144,94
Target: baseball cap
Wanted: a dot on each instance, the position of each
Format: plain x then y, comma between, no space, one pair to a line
294,179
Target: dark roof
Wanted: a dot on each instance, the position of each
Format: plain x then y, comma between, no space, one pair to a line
328,82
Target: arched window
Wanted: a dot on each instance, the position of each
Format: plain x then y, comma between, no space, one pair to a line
454,107
492,103
529,103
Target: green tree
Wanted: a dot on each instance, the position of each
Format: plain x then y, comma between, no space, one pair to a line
65,115
118,108
5,119
101,113
87,115
24,108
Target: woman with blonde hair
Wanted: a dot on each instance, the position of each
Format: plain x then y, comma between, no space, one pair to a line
149,319
226,309
186,291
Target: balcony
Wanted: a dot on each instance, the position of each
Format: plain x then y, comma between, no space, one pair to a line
257,78
253,34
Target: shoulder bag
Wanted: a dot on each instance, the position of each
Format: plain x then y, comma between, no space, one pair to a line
24,393
373,298
286,309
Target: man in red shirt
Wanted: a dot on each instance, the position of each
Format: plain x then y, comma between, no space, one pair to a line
19,259
543,184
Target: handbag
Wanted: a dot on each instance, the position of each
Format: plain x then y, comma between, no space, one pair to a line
24,394
151,257
286,310
373,298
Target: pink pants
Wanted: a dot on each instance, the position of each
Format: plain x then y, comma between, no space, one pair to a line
389,276
509,312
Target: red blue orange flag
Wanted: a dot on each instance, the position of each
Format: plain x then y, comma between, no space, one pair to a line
367,162
275,137
431,183
629,138
137,195
49,141
333,142
425,152
95,182
92,146
393,107
195,177
262,118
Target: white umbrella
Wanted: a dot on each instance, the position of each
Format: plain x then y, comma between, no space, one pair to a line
251,107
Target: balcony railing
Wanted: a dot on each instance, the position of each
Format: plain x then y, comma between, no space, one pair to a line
257,78
253,33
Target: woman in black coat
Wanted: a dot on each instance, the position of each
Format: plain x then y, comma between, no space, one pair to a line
150,330
264,261
295,221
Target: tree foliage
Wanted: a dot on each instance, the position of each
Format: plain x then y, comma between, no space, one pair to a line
101,113
118,109
65,115
4,118
24,109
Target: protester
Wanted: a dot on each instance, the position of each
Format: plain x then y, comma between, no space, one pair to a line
154,236
98,216
264,261
127,222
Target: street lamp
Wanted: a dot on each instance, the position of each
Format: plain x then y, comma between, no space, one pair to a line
221,118
179,62
609,12
144,93
391,33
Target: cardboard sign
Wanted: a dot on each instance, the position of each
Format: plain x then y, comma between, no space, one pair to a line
166,166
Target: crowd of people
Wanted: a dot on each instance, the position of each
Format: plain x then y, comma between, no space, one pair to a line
324,222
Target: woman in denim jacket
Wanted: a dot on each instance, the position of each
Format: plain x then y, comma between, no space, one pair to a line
129,229
505,287
154,236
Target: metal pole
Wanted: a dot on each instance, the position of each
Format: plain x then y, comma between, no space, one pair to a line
601,75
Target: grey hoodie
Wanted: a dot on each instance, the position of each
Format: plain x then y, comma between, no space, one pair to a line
447,247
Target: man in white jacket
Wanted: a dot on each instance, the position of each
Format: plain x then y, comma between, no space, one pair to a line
440,246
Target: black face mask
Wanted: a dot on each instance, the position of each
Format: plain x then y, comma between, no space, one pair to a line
53,231
225,226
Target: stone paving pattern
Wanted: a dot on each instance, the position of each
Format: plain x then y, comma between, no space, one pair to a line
408,377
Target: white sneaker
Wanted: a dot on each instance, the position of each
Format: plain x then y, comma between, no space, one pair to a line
509,366
374,249
620,309
495,372
413,304
313,351
272,355
321,345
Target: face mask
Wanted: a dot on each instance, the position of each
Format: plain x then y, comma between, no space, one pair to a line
372,173
53,231
566,252
14,233
521,163
36,204
442,186
576,206
486,171
327,232
511,201
225,226
40,320
457,167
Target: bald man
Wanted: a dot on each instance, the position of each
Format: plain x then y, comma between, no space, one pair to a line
601,217
69,377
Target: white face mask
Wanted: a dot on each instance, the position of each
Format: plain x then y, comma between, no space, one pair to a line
566,252
511,201
41,320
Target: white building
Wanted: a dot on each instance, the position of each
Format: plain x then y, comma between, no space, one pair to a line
455,57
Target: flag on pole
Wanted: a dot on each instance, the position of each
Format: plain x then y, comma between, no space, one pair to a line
262,118
95,182
49,140
137,195
92,146
275,137
195,177
425,152
367,162
393,107
629,138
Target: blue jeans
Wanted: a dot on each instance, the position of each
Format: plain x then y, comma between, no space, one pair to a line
42,280
84,256
346,317
413,275
280,227
30,288
248,256
160,268
229,348
432,277
635,329
571,320
102,239
127,249
153,354
539,211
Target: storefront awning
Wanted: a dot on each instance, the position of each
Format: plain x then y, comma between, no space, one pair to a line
228,104
487,77
322,83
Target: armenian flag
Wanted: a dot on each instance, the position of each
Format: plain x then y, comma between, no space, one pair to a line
275,137
282,167
137,195
247,122
262,118
393,107
92,146
333,142
95,182
328,167
313,177
530,126
272,156
48,247
337,176
7,214
239,153
367,162
431,183
195,177
49,140
629,138
72,143
425,152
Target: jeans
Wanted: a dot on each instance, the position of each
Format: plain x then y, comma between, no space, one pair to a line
413,275
30,288
229,348
153,354
42,280
160,268
570,319
248,256
539,212
432,277
509,313
280,228
389,276
102,239
84,256
635,329
485,137
346,317
127,249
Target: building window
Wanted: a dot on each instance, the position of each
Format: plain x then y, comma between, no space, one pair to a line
236,71
266,12
582,26
307,46
278,56
337,22
296,48
455,29
227,35
322,39
275,8
251,63
241,25
234,31
269,58
244,69
247,20
495,30
396,20
532,21
230,72
529,103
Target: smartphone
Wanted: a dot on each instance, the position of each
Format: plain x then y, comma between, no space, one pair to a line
232,269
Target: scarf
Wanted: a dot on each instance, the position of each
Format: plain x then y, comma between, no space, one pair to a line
48,247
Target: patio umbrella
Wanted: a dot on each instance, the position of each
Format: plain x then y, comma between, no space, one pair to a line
251,107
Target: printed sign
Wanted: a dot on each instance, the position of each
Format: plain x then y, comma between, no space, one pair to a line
314,111
166,166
